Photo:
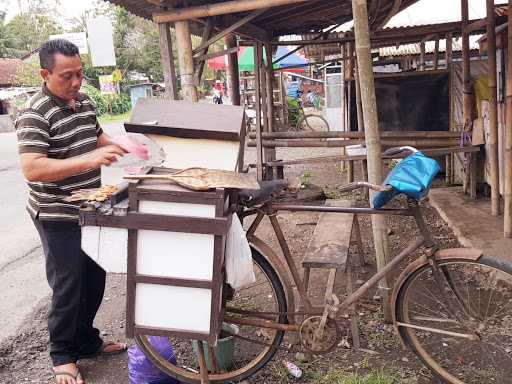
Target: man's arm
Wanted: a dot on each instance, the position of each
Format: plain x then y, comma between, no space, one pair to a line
38,167
104,140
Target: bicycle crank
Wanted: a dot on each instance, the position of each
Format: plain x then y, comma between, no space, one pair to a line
319,342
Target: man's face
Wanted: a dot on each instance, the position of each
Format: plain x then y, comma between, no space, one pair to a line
65,78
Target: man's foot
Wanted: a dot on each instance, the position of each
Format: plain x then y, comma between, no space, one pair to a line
112,348
106,349
67,374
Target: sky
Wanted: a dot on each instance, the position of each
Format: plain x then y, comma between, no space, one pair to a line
423,12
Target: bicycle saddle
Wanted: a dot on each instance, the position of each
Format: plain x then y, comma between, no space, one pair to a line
252,197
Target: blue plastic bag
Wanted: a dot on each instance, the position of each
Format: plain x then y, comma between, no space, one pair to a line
142,371
413,176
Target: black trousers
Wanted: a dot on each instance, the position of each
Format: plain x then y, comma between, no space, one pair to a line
78,285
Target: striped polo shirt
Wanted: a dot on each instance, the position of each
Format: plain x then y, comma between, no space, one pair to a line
49,126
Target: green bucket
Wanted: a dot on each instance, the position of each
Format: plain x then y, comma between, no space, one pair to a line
224,350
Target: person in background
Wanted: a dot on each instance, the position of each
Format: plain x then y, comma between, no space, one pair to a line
295,90
62,148
218,92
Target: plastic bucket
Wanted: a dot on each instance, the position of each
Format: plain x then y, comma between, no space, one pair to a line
224,349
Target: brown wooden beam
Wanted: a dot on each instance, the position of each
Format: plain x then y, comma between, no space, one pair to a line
228,30
199,66
171,89
248,30
208,10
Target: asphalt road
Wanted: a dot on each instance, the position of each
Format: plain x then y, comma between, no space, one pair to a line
22,278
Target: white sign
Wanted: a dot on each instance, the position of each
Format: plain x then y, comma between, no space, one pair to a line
101,42
79,39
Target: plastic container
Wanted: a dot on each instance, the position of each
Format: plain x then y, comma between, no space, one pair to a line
224,350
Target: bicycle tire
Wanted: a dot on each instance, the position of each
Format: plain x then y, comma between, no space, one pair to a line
451,357
315,123
242,373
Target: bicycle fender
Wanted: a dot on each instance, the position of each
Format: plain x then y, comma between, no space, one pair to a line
443,254
267,252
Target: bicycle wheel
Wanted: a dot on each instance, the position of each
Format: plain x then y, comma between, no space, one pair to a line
461,329
254,346
313,123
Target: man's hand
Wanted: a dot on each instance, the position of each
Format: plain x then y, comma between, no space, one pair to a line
38,167
104,155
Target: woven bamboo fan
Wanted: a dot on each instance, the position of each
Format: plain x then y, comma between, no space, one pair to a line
202,179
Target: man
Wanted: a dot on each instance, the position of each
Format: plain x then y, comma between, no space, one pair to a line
62,148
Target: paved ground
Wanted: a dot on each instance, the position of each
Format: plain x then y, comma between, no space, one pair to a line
472,222
22,280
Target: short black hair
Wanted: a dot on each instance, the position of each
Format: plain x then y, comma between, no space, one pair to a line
51,47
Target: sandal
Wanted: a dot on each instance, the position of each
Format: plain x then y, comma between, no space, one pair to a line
76,377
101,351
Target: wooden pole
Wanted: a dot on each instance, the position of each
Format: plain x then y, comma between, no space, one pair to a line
436,53
257,106
232,72
493,110
448,60
214,9
171,90
371,126
466,78
508,134
186,60
269,83
200,64
422,56
350,163
264,108
269,72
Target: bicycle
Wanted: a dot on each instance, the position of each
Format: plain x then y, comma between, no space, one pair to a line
305,121
451,307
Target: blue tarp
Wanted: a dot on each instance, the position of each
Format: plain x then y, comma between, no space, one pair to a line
292,61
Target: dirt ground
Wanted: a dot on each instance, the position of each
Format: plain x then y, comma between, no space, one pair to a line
24,358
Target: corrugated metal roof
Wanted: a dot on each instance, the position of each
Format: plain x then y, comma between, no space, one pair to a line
414,49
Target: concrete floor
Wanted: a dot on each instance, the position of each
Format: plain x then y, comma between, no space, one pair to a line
471,221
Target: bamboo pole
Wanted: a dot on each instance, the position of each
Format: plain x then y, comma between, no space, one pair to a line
305,143
226,7
448,60
269,84
493,110
269,72
399,135
186,60
466,76
508,134
350,163
257,105
171,90
371,125
232,72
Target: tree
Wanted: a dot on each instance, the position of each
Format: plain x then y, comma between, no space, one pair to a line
5,37
29,31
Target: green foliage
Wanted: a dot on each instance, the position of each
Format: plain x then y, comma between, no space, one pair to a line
115,104
119,104
294,112
335,376
97,99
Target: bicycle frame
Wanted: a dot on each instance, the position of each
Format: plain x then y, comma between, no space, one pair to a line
271,209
